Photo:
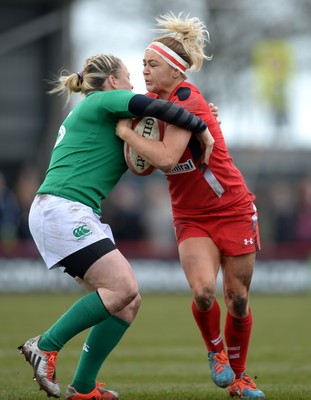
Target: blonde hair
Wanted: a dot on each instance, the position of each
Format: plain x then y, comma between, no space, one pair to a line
185,36
92,77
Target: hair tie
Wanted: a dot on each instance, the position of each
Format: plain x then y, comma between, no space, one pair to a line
80,76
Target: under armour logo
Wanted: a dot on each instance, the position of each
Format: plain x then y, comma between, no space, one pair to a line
248,241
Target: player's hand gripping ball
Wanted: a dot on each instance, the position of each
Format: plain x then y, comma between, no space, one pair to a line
147,127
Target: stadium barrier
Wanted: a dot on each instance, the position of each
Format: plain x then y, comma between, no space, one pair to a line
31,275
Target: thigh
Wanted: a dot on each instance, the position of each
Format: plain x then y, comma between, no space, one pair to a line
114,280
112,271
78,263
200,259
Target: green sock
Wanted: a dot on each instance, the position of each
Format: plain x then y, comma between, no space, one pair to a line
86,312
101,340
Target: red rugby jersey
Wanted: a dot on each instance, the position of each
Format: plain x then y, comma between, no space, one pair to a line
195,189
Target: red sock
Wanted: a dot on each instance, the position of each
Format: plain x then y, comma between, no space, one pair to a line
209,325
237,334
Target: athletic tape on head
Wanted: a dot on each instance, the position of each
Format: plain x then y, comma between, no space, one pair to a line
169,56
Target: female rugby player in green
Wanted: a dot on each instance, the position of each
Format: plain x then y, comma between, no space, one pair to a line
86,164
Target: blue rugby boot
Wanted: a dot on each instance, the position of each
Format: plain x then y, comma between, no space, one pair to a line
222,373
245,388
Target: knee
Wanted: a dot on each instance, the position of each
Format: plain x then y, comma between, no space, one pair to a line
120,297
130,294
237,304
135,305
204,298
129,312
240,305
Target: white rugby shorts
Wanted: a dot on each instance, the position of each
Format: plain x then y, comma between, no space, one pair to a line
61,227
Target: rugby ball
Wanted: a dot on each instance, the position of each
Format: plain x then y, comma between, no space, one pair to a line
147,127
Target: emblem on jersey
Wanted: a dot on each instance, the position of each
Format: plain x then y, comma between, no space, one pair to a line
81,231
181,168
61,134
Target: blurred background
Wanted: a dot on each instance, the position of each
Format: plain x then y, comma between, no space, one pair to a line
259,77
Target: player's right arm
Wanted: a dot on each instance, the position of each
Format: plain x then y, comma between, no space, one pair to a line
162,154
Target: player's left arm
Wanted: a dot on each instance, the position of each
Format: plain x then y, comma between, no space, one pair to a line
172,113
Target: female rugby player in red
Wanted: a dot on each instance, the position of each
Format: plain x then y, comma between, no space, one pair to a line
215,218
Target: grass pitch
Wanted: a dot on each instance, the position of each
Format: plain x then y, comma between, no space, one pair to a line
162,356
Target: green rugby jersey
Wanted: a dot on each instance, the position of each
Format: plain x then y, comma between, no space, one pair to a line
88,160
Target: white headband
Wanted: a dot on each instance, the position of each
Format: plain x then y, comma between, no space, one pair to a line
169,56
